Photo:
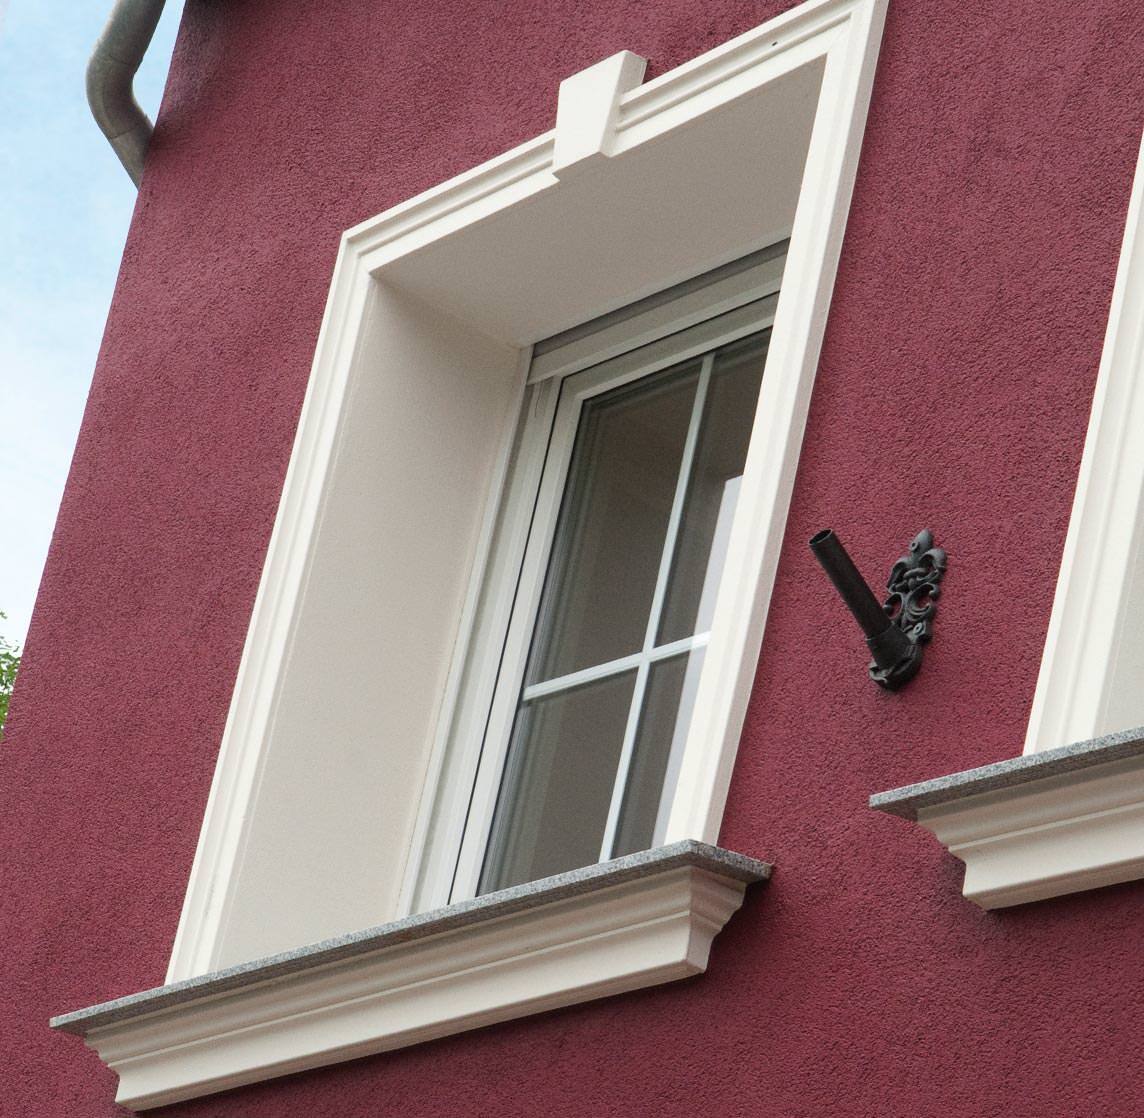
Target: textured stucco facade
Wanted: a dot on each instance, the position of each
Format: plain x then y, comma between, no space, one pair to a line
953,392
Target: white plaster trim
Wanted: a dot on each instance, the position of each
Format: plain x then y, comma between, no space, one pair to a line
250,718
853,33
617,937
1046,838
1100,553
846,34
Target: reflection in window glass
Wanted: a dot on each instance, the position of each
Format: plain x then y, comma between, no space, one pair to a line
609,539
563,759
712,489
666,714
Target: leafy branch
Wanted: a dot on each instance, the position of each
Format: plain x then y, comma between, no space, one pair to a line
9,666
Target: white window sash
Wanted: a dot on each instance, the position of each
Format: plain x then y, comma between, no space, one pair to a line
486,745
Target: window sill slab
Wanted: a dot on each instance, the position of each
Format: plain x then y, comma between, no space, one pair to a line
636,921
1038,826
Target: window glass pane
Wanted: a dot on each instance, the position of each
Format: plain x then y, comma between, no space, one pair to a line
610,533
713,488
668,702
561,770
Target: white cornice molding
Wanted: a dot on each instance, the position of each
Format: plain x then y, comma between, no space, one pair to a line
802,34
1042,825
637,921
848,30
1098,565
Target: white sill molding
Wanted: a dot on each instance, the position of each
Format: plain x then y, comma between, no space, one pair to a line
636,921
1041,825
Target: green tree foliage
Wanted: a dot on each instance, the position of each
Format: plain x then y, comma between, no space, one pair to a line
9,666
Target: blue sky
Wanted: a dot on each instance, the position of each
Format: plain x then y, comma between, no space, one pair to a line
65,204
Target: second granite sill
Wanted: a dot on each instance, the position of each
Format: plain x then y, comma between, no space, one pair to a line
1038,826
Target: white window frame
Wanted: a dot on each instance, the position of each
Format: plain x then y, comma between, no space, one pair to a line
551,423
461,798
409,297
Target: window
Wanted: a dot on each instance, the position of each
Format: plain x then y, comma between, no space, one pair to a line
351,799
613,602
382,607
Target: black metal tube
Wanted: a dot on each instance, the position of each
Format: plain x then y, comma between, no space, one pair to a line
848,581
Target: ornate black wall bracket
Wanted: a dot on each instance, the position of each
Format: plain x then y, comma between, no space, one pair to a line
897,629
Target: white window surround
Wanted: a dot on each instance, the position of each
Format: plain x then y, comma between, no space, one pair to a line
382,523
1069,814
351,667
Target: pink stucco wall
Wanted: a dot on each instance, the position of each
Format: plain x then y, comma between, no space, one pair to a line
959,360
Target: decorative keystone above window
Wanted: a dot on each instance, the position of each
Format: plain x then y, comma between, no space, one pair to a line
1041,825
636,921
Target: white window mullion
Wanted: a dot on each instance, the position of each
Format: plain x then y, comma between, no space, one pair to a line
674,648
666,559
613,667
579,678
676,517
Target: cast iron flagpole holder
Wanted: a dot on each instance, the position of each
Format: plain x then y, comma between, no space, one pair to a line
896,629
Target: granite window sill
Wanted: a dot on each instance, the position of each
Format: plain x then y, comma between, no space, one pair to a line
1038,826
636,921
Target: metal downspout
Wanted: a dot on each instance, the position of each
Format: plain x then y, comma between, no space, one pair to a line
110,72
